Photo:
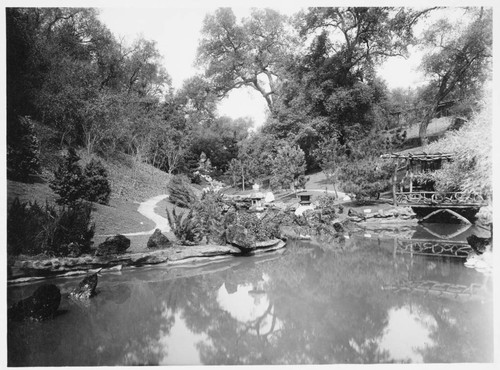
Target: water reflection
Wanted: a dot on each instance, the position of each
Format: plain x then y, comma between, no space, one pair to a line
181,344
308,305
407,333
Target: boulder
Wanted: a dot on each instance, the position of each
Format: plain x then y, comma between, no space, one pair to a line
406,213
478,244
302,208
41,305
269,197
86,288
158,240
239,236
357,216
338,227
113,245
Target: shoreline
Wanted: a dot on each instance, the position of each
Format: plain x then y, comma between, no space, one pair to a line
28,270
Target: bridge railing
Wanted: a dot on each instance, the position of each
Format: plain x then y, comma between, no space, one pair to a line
430,247
433,198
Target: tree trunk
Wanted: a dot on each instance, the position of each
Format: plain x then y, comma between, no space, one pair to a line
335,190
242,176
422,133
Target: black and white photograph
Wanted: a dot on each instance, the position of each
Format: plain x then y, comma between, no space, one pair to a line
249,183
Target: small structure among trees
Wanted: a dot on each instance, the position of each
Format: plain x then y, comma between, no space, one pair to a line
413,185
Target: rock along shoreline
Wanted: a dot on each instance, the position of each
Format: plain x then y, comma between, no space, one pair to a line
27,270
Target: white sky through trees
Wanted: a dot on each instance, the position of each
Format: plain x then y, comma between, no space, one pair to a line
176,30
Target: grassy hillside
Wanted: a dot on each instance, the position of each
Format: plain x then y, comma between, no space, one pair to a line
131,183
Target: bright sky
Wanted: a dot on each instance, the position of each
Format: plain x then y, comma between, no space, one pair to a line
177,32
176,29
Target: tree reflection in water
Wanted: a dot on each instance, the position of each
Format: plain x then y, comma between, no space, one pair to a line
307,305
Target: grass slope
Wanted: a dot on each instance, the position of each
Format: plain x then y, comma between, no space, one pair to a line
131,183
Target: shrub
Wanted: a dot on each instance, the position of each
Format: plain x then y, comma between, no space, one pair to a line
72,183
470,170
33,229
263,229
68,181
22,150
196,178
366,178
181,193
209,212
326,203
186,227
96,183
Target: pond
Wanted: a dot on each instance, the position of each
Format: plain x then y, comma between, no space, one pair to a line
362,300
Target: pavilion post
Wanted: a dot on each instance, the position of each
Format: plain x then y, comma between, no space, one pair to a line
394,180
411,176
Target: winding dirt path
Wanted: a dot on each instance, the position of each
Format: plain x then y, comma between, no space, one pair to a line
147,209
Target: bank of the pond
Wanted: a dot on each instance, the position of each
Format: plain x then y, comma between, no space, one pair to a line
25,268
32,269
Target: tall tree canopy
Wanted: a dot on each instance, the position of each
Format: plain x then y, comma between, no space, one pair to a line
330,91
458,63
250,53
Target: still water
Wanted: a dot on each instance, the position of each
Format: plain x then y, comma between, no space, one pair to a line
359,301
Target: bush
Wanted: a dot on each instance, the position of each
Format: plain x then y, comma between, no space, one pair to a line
186,227
326,204
96,183
22,150
68,179
33,229
470,170
263,229
365,178
181,193
209,212
72,183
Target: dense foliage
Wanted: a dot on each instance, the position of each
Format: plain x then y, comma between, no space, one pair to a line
210,214
458,63
471,168
22,150
366,178
72,183
34,229
316,71
180,192
96,183
68,179
186,227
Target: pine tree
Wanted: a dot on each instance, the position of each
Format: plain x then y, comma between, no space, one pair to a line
68,179
96,184
22,150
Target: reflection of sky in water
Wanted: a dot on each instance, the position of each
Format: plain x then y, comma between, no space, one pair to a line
406,333
248,303
180,344
328,304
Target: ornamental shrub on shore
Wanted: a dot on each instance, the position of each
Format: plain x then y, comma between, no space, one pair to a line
68,179
181,193
470,170
72,183
96,183
33,229
22,150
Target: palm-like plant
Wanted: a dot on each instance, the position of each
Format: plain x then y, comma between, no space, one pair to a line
186,227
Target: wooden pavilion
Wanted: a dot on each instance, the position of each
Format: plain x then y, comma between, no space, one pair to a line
423,198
